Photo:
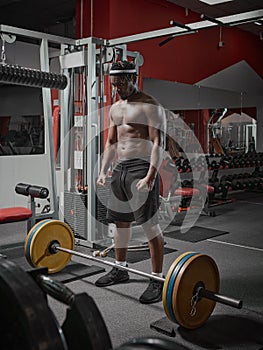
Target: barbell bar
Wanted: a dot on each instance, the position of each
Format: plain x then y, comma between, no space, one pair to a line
191,286
55,247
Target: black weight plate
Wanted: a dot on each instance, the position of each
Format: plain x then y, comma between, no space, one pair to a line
84,327
27,322
134,347
151,343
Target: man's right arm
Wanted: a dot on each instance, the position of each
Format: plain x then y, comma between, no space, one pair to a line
109,153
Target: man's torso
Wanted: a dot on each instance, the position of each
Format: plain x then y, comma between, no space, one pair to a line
132,124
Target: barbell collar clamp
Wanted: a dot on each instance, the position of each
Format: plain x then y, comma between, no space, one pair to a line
52,248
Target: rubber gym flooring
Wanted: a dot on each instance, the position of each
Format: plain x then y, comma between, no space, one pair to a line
239,256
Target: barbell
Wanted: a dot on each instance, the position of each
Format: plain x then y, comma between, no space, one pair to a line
191,286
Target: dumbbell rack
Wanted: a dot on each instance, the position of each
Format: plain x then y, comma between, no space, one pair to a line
230,171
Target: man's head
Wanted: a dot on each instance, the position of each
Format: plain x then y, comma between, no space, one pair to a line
123,78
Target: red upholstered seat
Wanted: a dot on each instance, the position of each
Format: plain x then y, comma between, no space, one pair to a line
14,214
187,191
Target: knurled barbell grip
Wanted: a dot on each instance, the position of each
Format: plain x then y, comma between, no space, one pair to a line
219,298
56,247
56,289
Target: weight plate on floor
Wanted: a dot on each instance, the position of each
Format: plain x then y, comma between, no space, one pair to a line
169,283
28,238
84,327
27,322
153,343
198,268
38,241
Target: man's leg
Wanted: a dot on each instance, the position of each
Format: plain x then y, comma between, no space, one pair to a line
156,245
121,240
153,293
156,250
122,236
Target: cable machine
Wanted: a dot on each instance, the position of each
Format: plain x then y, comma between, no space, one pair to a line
89,98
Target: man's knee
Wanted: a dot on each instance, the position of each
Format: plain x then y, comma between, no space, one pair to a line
121,224
152,231
122,234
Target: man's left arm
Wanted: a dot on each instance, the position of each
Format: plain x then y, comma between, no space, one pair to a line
157,135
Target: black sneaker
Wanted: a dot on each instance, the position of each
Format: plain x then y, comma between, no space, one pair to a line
153,293
113,277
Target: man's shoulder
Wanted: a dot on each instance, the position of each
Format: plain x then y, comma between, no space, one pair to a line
149,99
114,105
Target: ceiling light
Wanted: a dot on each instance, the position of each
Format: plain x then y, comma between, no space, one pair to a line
259,23
214,2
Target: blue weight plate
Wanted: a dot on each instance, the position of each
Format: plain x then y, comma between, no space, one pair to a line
170,286
28,240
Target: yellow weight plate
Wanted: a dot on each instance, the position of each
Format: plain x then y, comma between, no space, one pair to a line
28,238
166,282
198,268
39,239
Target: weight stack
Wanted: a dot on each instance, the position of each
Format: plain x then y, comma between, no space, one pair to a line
75,205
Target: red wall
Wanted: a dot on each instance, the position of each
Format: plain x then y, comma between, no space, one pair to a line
185,59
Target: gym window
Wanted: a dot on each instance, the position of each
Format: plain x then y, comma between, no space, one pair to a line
21,135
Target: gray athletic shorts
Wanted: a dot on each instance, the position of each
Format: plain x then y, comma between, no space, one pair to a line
126,203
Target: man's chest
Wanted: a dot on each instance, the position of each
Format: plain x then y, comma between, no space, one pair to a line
128,113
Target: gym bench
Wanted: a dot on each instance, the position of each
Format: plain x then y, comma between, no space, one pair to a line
180,196
15,214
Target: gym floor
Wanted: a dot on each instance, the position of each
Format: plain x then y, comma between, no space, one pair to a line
238,255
